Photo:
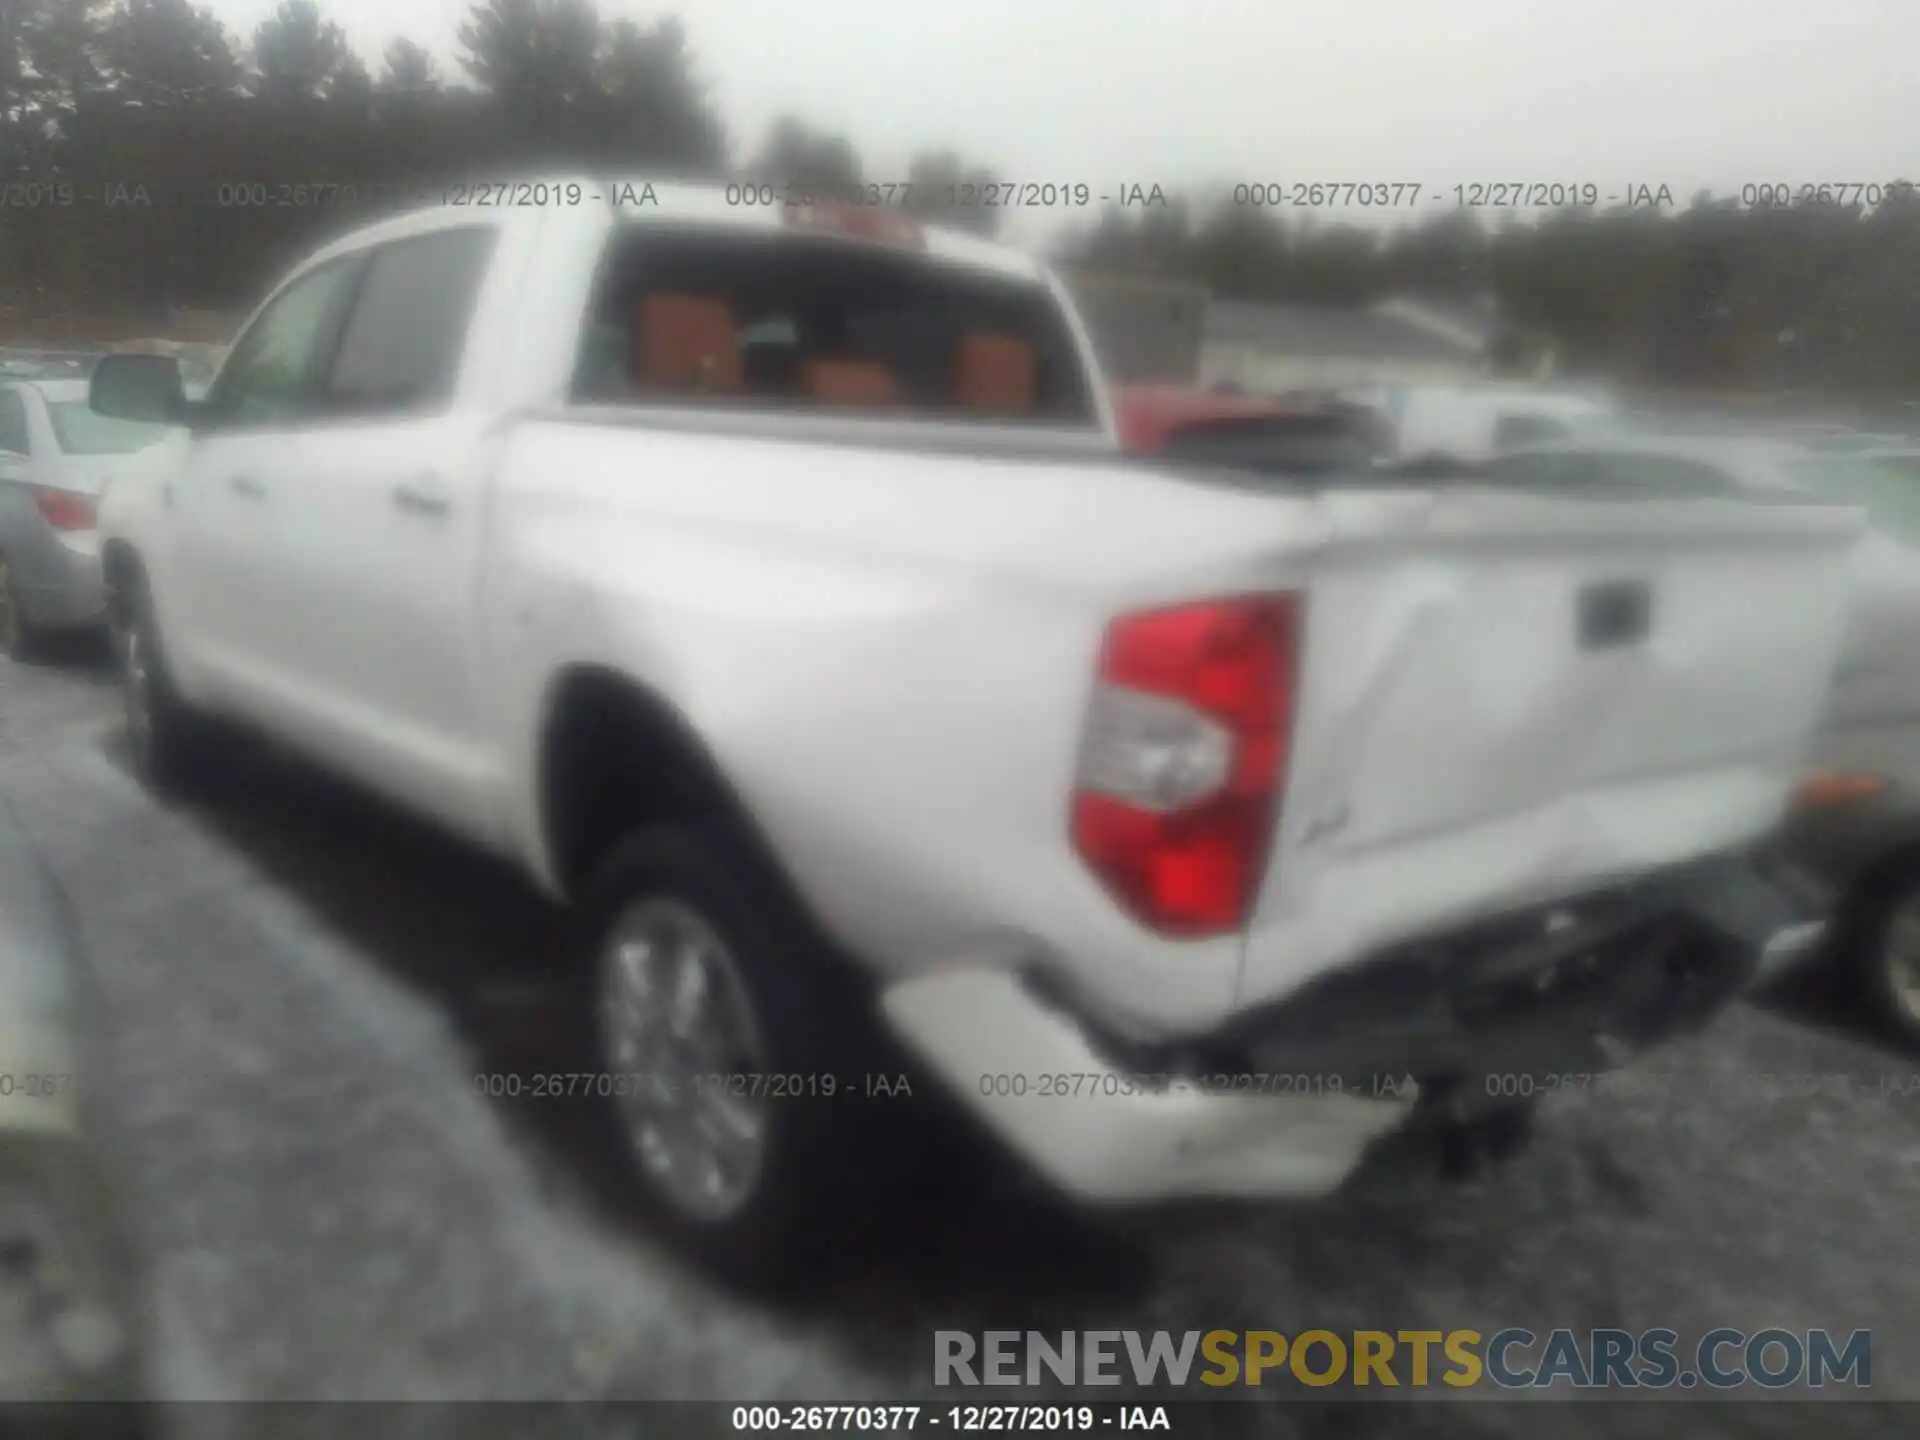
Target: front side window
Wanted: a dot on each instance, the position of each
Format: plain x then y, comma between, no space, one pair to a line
1891,500
400,352
269,377
797,321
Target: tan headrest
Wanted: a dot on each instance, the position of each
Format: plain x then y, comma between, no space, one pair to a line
685,342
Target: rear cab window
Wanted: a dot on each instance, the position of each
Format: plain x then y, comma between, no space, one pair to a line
792,321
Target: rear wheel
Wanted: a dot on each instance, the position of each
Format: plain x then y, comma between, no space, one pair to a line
738,1052
20,638
1887,959
166,736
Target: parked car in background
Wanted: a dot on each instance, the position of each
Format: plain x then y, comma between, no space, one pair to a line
46,364
69,1301
1277,434
198,366
1853,835
1862,442
56,458
1902,458
1855,828
1879,677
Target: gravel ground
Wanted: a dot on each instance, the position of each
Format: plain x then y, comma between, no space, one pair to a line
302,985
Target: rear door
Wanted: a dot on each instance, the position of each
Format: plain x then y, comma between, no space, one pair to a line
1509,697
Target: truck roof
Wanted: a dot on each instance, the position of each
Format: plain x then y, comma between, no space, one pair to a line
652,200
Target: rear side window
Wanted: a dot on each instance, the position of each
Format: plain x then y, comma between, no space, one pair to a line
788,321
13,423
400,351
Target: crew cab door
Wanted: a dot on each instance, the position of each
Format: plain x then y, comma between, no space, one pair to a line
375,551
218,602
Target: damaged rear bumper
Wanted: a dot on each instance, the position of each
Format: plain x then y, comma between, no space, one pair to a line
1285,1099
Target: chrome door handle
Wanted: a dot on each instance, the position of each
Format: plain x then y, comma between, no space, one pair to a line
421,497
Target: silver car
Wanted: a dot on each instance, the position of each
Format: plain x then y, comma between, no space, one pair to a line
56,456
1857,823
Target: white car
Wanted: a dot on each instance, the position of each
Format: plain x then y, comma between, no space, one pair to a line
1856,830
769,585
56,457
1900,456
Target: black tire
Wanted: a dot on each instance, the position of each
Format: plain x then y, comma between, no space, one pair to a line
169,741
1884,970
824,1167
20,638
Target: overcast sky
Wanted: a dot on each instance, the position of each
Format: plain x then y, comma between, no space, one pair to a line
1687,93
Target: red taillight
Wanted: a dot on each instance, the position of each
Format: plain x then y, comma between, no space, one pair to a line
65,510
1184,758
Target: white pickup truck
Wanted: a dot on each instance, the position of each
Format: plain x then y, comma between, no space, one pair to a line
769,585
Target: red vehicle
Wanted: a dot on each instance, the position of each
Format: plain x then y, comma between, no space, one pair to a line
1258,431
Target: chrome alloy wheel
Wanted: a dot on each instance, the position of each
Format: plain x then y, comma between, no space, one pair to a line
676,1027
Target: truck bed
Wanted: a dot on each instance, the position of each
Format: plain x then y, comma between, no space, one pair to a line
849,626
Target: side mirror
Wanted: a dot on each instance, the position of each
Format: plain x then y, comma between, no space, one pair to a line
138,387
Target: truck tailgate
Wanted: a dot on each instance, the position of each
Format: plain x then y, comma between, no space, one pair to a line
1507,697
